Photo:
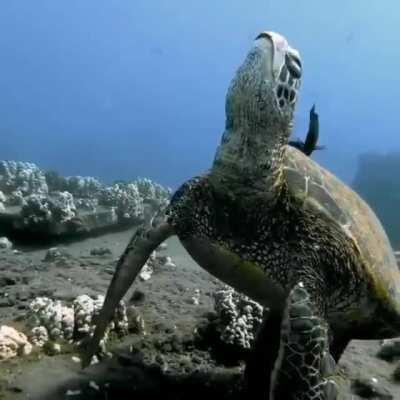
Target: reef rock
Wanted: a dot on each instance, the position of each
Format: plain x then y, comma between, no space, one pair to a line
378,182
57,318
146,272
13,343
126,199
153,192
100,251
5,243
83,186
87,204
15,198
23,176
54,320
49,205
39,209
371,388
238,317
390,349
54,254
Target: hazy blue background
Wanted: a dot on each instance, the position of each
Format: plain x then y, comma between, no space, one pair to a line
119,89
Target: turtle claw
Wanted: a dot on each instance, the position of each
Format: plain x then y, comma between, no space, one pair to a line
330,390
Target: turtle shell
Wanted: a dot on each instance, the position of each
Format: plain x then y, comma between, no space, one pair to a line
321,191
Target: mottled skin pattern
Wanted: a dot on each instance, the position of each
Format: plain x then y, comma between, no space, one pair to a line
266,217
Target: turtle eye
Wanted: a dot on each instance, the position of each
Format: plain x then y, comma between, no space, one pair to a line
293,64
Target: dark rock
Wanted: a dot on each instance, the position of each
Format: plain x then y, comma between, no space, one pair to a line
8,280
370,388
53,254
396,373
26,279
389,350
24,295
7,302
100,251
166,347
137,297
378,183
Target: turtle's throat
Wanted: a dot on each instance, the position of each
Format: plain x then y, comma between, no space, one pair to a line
250,157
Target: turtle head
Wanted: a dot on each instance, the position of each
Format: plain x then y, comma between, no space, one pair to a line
264,90
260,105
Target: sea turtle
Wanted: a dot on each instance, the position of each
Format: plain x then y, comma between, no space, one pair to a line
266,217
310,144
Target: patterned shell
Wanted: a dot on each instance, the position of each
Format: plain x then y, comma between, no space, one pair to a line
323,192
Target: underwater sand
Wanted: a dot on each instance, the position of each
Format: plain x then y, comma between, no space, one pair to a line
165,362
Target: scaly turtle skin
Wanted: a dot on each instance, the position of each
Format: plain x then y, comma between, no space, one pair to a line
304,368
266,217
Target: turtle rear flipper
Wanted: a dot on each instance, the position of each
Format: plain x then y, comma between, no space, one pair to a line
304,361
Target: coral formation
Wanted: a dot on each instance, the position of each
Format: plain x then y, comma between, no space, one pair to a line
54,320
50,204
23,176
238,317
83,186
125,198
153,192
5,243
40,209
13,343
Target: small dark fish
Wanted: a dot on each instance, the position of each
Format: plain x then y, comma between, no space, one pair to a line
310,143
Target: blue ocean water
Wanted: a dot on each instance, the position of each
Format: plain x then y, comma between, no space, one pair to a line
119,89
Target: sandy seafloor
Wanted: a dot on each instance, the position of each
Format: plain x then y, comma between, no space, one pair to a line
168,362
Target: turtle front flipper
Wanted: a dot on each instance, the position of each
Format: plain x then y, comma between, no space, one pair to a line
304,361
143,243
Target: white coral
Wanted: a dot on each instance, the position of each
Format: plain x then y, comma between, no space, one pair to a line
15,198
13,343
39,336
5,243
51,319
150,190
83,186
63,203
85,308
23,176
239,317
57,318
146,272
87,204
125,198
59,207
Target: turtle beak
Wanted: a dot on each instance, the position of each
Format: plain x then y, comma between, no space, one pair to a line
283,67
282,55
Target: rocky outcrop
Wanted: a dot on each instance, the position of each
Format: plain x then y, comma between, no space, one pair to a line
55,320
377,180
23,176
5,243
126,200
13,343
238,317
33,202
